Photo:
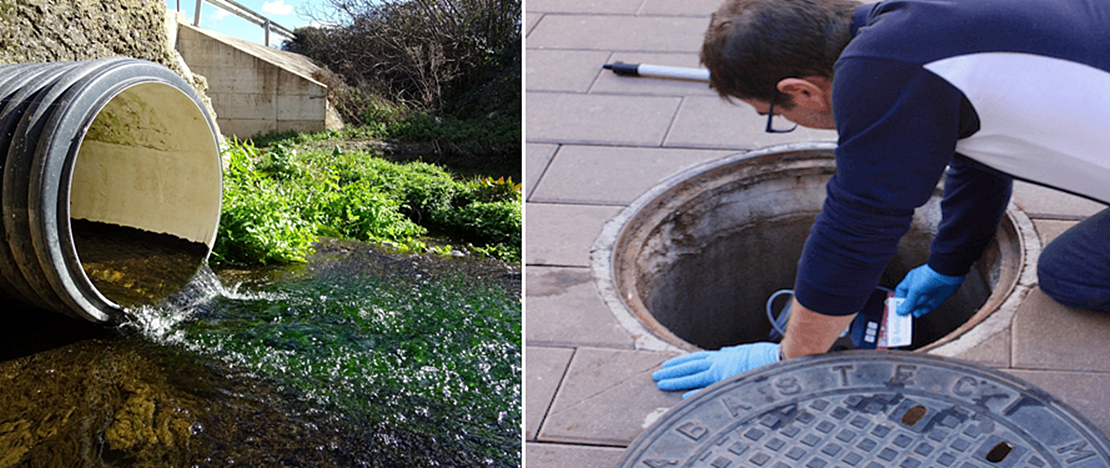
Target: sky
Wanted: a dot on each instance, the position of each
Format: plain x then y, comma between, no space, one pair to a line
288,13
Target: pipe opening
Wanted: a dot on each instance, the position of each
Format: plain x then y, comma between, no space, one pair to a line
697,264
145,194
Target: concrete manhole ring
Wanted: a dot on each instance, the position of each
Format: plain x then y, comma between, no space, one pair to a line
711,243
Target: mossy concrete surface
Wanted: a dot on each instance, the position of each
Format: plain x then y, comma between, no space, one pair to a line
74,30
52,30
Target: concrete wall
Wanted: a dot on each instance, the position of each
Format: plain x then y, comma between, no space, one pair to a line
66,30
256,89
248,87
63,30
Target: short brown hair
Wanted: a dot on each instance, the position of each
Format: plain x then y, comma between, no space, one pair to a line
751,45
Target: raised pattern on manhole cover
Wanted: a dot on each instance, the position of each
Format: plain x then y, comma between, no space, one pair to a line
870,410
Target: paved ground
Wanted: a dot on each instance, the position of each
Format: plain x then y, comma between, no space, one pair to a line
595,142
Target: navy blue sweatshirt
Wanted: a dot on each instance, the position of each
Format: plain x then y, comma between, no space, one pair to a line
987,90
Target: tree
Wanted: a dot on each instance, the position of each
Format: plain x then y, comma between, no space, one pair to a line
417,52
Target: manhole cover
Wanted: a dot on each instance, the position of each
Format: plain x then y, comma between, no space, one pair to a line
870,410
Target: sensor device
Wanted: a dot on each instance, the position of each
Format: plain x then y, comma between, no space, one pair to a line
878,326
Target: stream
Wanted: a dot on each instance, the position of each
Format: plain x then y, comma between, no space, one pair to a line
357,357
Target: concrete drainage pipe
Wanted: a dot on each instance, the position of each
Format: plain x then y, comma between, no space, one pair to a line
104,161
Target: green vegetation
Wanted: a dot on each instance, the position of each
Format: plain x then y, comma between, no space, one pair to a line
500,132
278,200
420,368
435,78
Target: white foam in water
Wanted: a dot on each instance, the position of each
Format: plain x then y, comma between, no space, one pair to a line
200,295
159,322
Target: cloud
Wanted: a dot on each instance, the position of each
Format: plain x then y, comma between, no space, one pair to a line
277,7
217,15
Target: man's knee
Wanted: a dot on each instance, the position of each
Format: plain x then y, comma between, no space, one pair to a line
1061,279
1056,287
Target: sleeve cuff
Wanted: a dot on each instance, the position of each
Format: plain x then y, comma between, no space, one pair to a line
812,298
950,265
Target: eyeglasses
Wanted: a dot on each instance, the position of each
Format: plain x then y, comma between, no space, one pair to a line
778,123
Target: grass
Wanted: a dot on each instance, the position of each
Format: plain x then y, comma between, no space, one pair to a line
279,199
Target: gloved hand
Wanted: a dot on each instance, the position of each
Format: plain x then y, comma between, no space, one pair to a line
924,290
703,368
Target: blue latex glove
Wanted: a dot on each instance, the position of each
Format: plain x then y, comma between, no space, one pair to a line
704,368
924,290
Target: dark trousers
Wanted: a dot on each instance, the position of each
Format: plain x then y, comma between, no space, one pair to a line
1074,268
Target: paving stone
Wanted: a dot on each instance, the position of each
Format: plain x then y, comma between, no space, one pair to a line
561,235
711,122
1049,229
629,33
564,308
537,158
687,7
531,19
613,175
1048,335
545,367
599,119
628,7
608,394
611,83
1083,392
607,398
563,70
992,352
1037,201
568,456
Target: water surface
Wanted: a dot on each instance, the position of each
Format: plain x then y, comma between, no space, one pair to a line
357,358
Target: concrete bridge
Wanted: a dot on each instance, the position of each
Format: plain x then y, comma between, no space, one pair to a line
254,89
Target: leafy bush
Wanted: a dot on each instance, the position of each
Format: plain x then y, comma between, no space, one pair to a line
358,211
413,127
500,189
276,202
422,127
258,224
495,222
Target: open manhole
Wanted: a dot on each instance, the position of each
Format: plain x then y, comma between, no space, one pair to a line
691,264
870,410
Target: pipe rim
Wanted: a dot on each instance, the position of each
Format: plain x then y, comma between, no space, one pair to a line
67,252
14,89
88,89
17,184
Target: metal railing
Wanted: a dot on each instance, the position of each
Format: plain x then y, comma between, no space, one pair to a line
233,7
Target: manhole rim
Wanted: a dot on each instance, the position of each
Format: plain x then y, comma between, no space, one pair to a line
649,334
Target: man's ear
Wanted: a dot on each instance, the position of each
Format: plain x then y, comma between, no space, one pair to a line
811,92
